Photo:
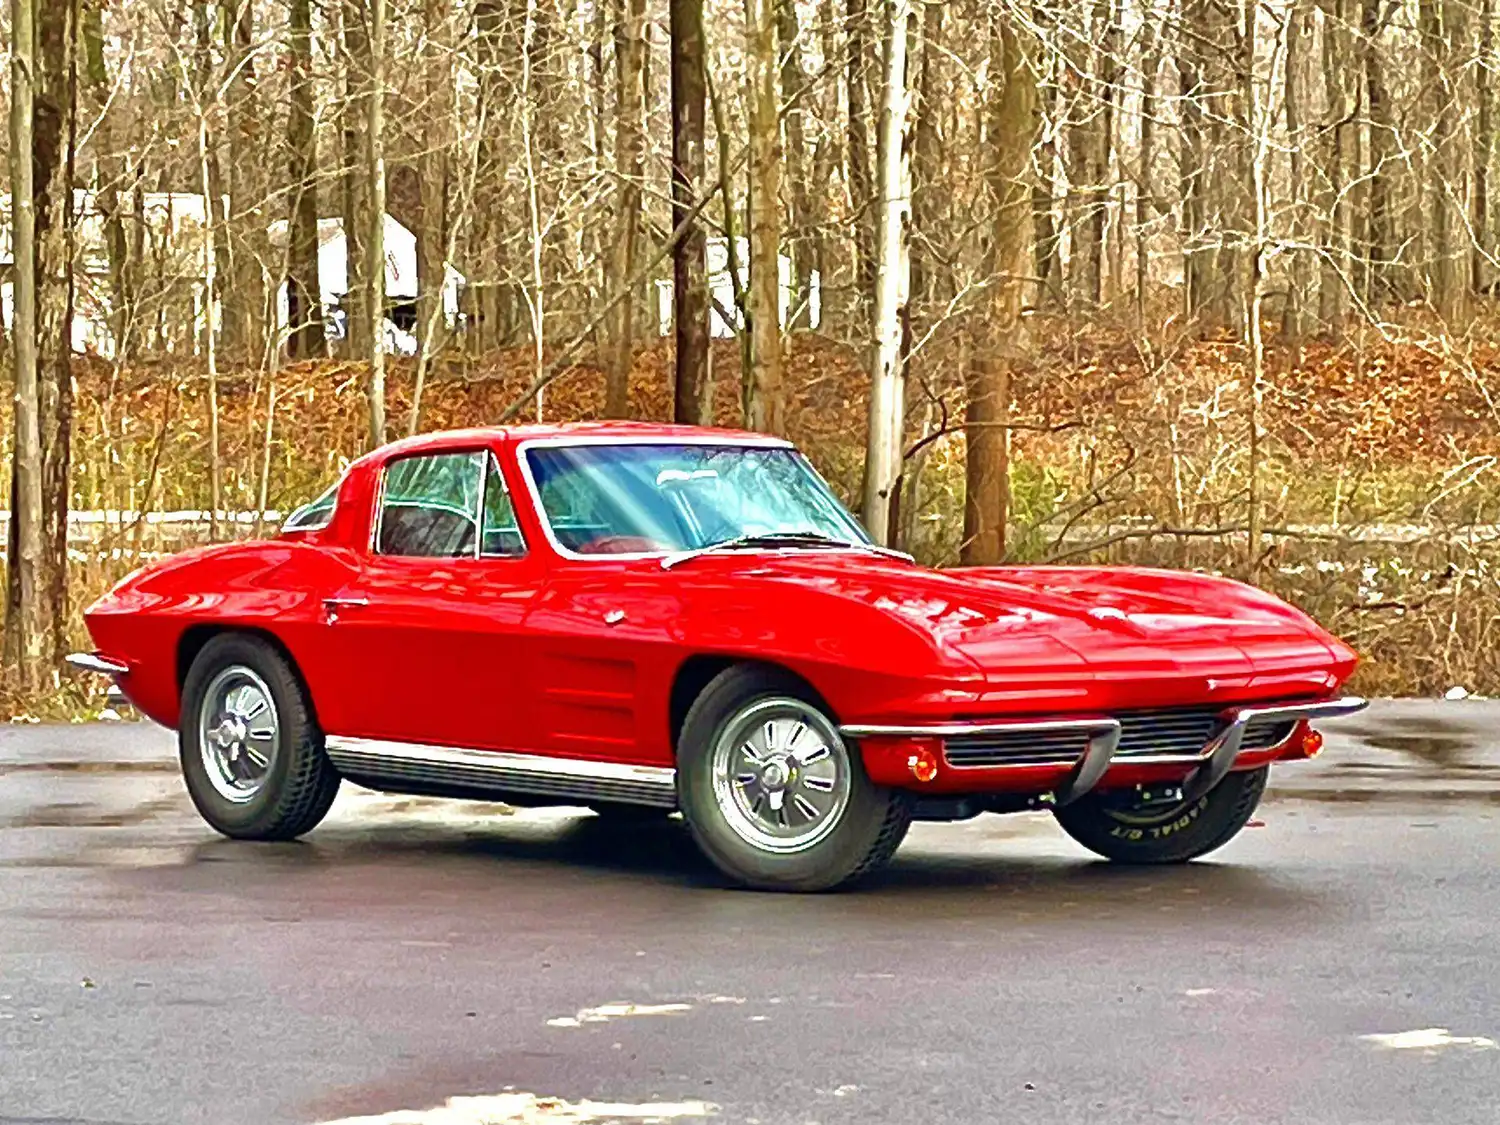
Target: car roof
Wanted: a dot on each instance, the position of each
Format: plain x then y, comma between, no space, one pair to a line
565,431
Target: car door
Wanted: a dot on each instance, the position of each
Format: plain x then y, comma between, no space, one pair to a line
601,632
434,618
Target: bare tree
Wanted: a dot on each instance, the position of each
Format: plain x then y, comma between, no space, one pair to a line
767,408
25,622
630,152
1009,138
892,278
303,292
54,103
375,230
691,395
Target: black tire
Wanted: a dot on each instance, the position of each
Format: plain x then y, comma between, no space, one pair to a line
300,782
1108,826
619,812
861,838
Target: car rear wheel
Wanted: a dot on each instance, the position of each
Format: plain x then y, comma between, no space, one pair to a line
1124,828
771,792
252,754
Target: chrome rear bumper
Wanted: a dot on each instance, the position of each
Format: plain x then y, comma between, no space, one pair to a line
1208,765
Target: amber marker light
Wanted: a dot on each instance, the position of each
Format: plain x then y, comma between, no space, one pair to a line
923,765
1312,743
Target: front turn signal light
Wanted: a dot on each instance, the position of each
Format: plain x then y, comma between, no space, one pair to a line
923,764
1312,743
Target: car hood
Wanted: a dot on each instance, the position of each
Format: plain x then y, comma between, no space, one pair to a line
1132,636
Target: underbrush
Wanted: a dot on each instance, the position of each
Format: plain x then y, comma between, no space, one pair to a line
1374,470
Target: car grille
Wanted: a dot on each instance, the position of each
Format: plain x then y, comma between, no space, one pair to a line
1180,731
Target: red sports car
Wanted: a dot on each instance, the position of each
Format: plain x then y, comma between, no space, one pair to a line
644,618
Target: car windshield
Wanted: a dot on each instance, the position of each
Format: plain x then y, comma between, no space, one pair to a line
661,499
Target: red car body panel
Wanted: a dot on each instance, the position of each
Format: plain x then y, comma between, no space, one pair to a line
515,654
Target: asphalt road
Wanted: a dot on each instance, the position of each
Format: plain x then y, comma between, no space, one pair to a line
1337,963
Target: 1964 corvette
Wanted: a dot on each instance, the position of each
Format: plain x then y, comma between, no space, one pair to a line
645,618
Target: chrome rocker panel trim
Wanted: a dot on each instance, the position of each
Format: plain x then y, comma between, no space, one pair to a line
394,764
1209,766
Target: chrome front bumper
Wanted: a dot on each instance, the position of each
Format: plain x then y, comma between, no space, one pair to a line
1208,765
93,662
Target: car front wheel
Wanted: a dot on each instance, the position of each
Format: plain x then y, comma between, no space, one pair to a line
1127,829
252,754
772,793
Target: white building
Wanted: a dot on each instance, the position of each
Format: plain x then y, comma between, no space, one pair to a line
400,280
176,244
721,287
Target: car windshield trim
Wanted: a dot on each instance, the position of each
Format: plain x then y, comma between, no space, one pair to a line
781,541
534,494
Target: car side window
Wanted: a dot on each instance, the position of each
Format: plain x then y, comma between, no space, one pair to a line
501,535
429,506
315,514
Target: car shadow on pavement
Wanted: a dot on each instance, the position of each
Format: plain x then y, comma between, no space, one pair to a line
661,855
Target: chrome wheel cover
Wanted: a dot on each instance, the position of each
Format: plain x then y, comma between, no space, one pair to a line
781,775
238,733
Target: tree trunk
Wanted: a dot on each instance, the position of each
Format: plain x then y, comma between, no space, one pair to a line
354,116
1012,120
794,97
25,638
1340,92
483,262
767,406
1436,21
375,231
55,101
690,403
1048,240
1197,265
244,298
304,310
928,203
630,151
885,434
433,170
1300,282
1145,180
1379,243
1484,141
857,26
1088,152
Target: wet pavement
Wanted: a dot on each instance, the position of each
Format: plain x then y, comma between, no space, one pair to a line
1336,963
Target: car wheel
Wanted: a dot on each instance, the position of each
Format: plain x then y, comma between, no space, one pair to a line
1122,828
771,792
252,754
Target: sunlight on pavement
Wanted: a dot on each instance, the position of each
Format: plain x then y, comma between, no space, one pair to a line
528,1109
1429,1039
618,1010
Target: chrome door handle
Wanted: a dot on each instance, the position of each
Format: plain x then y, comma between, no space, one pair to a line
333,606
614,617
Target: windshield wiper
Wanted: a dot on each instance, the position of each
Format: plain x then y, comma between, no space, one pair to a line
813,539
